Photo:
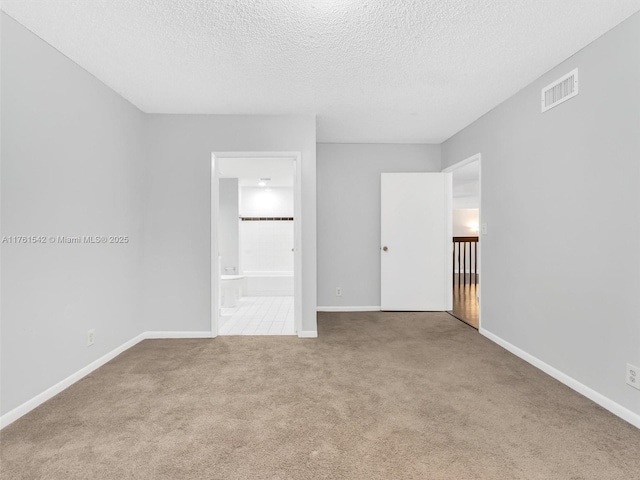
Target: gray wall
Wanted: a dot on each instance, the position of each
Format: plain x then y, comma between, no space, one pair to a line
228,224
349,215
178,210
77,159
560,196
72,164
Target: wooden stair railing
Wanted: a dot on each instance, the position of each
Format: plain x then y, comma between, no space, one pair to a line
460,247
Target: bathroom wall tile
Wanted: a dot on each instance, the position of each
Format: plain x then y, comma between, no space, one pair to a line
266,246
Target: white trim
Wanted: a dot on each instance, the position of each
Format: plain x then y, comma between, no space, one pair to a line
605,402
348,309
156,335
308,334
462,163
50,392
21,410
447,299
213,243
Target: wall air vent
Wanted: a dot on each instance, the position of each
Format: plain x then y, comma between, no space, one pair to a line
560,91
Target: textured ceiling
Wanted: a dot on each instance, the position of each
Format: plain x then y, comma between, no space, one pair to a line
371,70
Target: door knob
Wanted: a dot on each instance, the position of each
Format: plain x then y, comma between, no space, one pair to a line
385,249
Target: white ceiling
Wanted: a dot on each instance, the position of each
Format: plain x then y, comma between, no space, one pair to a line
371,70
249,171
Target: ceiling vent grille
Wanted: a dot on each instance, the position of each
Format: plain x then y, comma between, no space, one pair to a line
560,91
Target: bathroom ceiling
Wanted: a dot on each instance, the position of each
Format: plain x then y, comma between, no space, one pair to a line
370,70
249,171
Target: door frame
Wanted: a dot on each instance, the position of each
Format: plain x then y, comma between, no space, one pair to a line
297,232
475,158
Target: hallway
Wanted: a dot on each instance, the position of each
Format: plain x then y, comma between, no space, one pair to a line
465,302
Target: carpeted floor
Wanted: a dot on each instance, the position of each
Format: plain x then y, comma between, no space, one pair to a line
376,396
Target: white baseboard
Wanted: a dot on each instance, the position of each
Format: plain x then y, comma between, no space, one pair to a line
308,334
613,407
50,392
157,335
349,309
605,402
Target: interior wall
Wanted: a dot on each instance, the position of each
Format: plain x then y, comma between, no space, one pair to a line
349,215
228,223
466,222
266,202
72,166
178,213
560,197
266,246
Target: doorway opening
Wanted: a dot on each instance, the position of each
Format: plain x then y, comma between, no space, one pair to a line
465,262
255,234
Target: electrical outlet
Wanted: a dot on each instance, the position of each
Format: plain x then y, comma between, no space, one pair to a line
633,376
338,292
91,337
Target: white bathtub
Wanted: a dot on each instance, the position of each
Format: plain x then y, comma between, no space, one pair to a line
268,284
230,290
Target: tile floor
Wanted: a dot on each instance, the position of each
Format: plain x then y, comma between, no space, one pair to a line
258,316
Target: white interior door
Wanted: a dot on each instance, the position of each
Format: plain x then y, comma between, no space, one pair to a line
415,255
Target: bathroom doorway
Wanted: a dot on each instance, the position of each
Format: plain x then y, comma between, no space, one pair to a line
255,230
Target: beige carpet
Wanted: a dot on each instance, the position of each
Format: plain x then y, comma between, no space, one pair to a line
377,396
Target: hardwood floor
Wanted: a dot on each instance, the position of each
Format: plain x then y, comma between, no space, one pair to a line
465,302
